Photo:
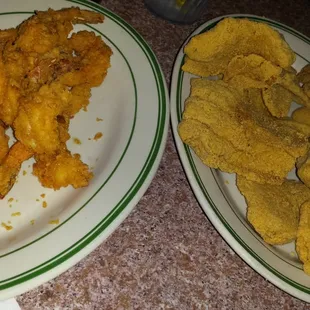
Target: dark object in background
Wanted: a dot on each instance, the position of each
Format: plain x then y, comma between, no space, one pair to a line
97,1
179,11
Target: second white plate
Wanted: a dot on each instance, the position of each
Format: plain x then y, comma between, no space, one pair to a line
217,193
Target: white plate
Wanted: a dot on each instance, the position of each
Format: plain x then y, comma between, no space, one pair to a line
218,195
133,103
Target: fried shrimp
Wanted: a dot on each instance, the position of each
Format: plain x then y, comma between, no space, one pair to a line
46,78
10,166
93,59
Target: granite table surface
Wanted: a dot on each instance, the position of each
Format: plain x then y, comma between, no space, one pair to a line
166,254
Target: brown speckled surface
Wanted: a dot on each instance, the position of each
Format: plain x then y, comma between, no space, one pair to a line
166,254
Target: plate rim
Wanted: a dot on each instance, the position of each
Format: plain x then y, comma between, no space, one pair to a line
69,257
206,202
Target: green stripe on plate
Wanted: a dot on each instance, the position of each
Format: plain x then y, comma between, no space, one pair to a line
144,173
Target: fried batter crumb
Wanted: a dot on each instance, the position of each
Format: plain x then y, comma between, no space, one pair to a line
6,227
16,214
32,222
44,204
55,222
42,195
98,136
11,199
98,119
24,172
77,141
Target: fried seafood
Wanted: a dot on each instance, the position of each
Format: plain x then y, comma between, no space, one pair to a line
302,115
237,119
303,236
232,37
10,166
273,210
61,170
235,133
46,77
304,77
4,146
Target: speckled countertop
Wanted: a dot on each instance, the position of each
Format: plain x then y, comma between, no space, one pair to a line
166,254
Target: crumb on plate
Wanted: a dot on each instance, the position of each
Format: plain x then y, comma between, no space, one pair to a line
16,214
98,136
6,227
55,222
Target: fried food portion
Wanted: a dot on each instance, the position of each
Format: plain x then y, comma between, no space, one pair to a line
304,77
290,82
47,29
253,67
278,100
273,210
4,146
237,134
302,115
303,170
61,170
217,46
10,166
93,57
199,68
45,79
36,125
303,237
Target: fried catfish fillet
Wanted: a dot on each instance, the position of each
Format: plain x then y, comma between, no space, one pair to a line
304,77
273,210
232,37
278,100
303,236
302,115
254,67
237,134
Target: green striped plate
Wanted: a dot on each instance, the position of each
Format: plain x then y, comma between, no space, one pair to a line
133,103
217,193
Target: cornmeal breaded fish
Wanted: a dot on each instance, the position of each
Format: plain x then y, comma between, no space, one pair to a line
237,134
303,236
273,210
302,115
217,46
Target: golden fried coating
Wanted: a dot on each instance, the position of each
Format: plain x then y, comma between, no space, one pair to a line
304,77
93,57
217,46
273,210
303,236
45,79
61,170
278,100
290,82
80,99
254,67
10,166
36,125
4,146
302,115
199,68
233,133
303,170
42,32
